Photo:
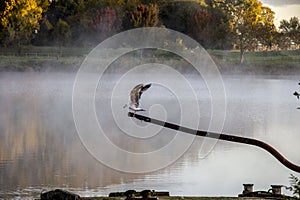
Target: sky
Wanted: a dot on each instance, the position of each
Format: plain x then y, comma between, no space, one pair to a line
284,9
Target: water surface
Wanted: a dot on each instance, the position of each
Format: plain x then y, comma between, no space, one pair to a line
41,150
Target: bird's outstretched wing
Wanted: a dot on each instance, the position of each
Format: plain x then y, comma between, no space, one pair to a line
296,94
143,89
136,93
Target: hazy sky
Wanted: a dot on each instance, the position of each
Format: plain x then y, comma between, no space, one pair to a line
284,9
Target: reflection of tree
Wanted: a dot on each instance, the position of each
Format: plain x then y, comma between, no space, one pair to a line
21,130
39,146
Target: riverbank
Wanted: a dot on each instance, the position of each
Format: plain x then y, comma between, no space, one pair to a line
45,59
191,198
247,193
182,198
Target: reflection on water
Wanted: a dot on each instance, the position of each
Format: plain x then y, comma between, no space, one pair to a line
40,148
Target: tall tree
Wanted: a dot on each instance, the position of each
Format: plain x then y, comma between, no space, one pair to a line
177,14
105,22
266,29
209,27
62,32
245,16
291,29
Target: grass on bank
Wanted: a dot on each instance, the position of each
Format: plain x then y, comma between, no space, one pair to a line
70,58
260,58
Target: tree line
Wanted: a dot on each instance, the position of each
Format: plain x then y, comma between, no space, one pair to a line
216,24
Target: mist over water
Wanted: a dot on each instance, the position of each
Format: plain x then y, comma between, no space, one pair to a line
40,148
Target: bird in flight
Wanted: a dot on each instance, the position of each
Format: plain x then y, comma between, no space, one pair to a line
135,96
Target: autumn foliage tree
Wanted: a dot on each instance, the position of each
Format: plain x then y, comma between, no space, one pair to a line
105,22
215,24
266,30
20,20
141,16
247,18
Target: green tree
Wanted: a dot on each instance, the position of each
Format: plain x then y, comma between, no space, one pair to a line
89,21
245,17
266,30
60,12
61,32
20,20
209,27
291,29
44,36
290,26
176,14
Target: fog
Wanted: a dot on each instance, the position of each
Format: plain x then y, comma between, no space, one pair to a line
40,147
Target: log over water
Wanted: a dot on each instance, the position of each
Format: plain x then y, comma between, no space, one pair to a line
221,136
